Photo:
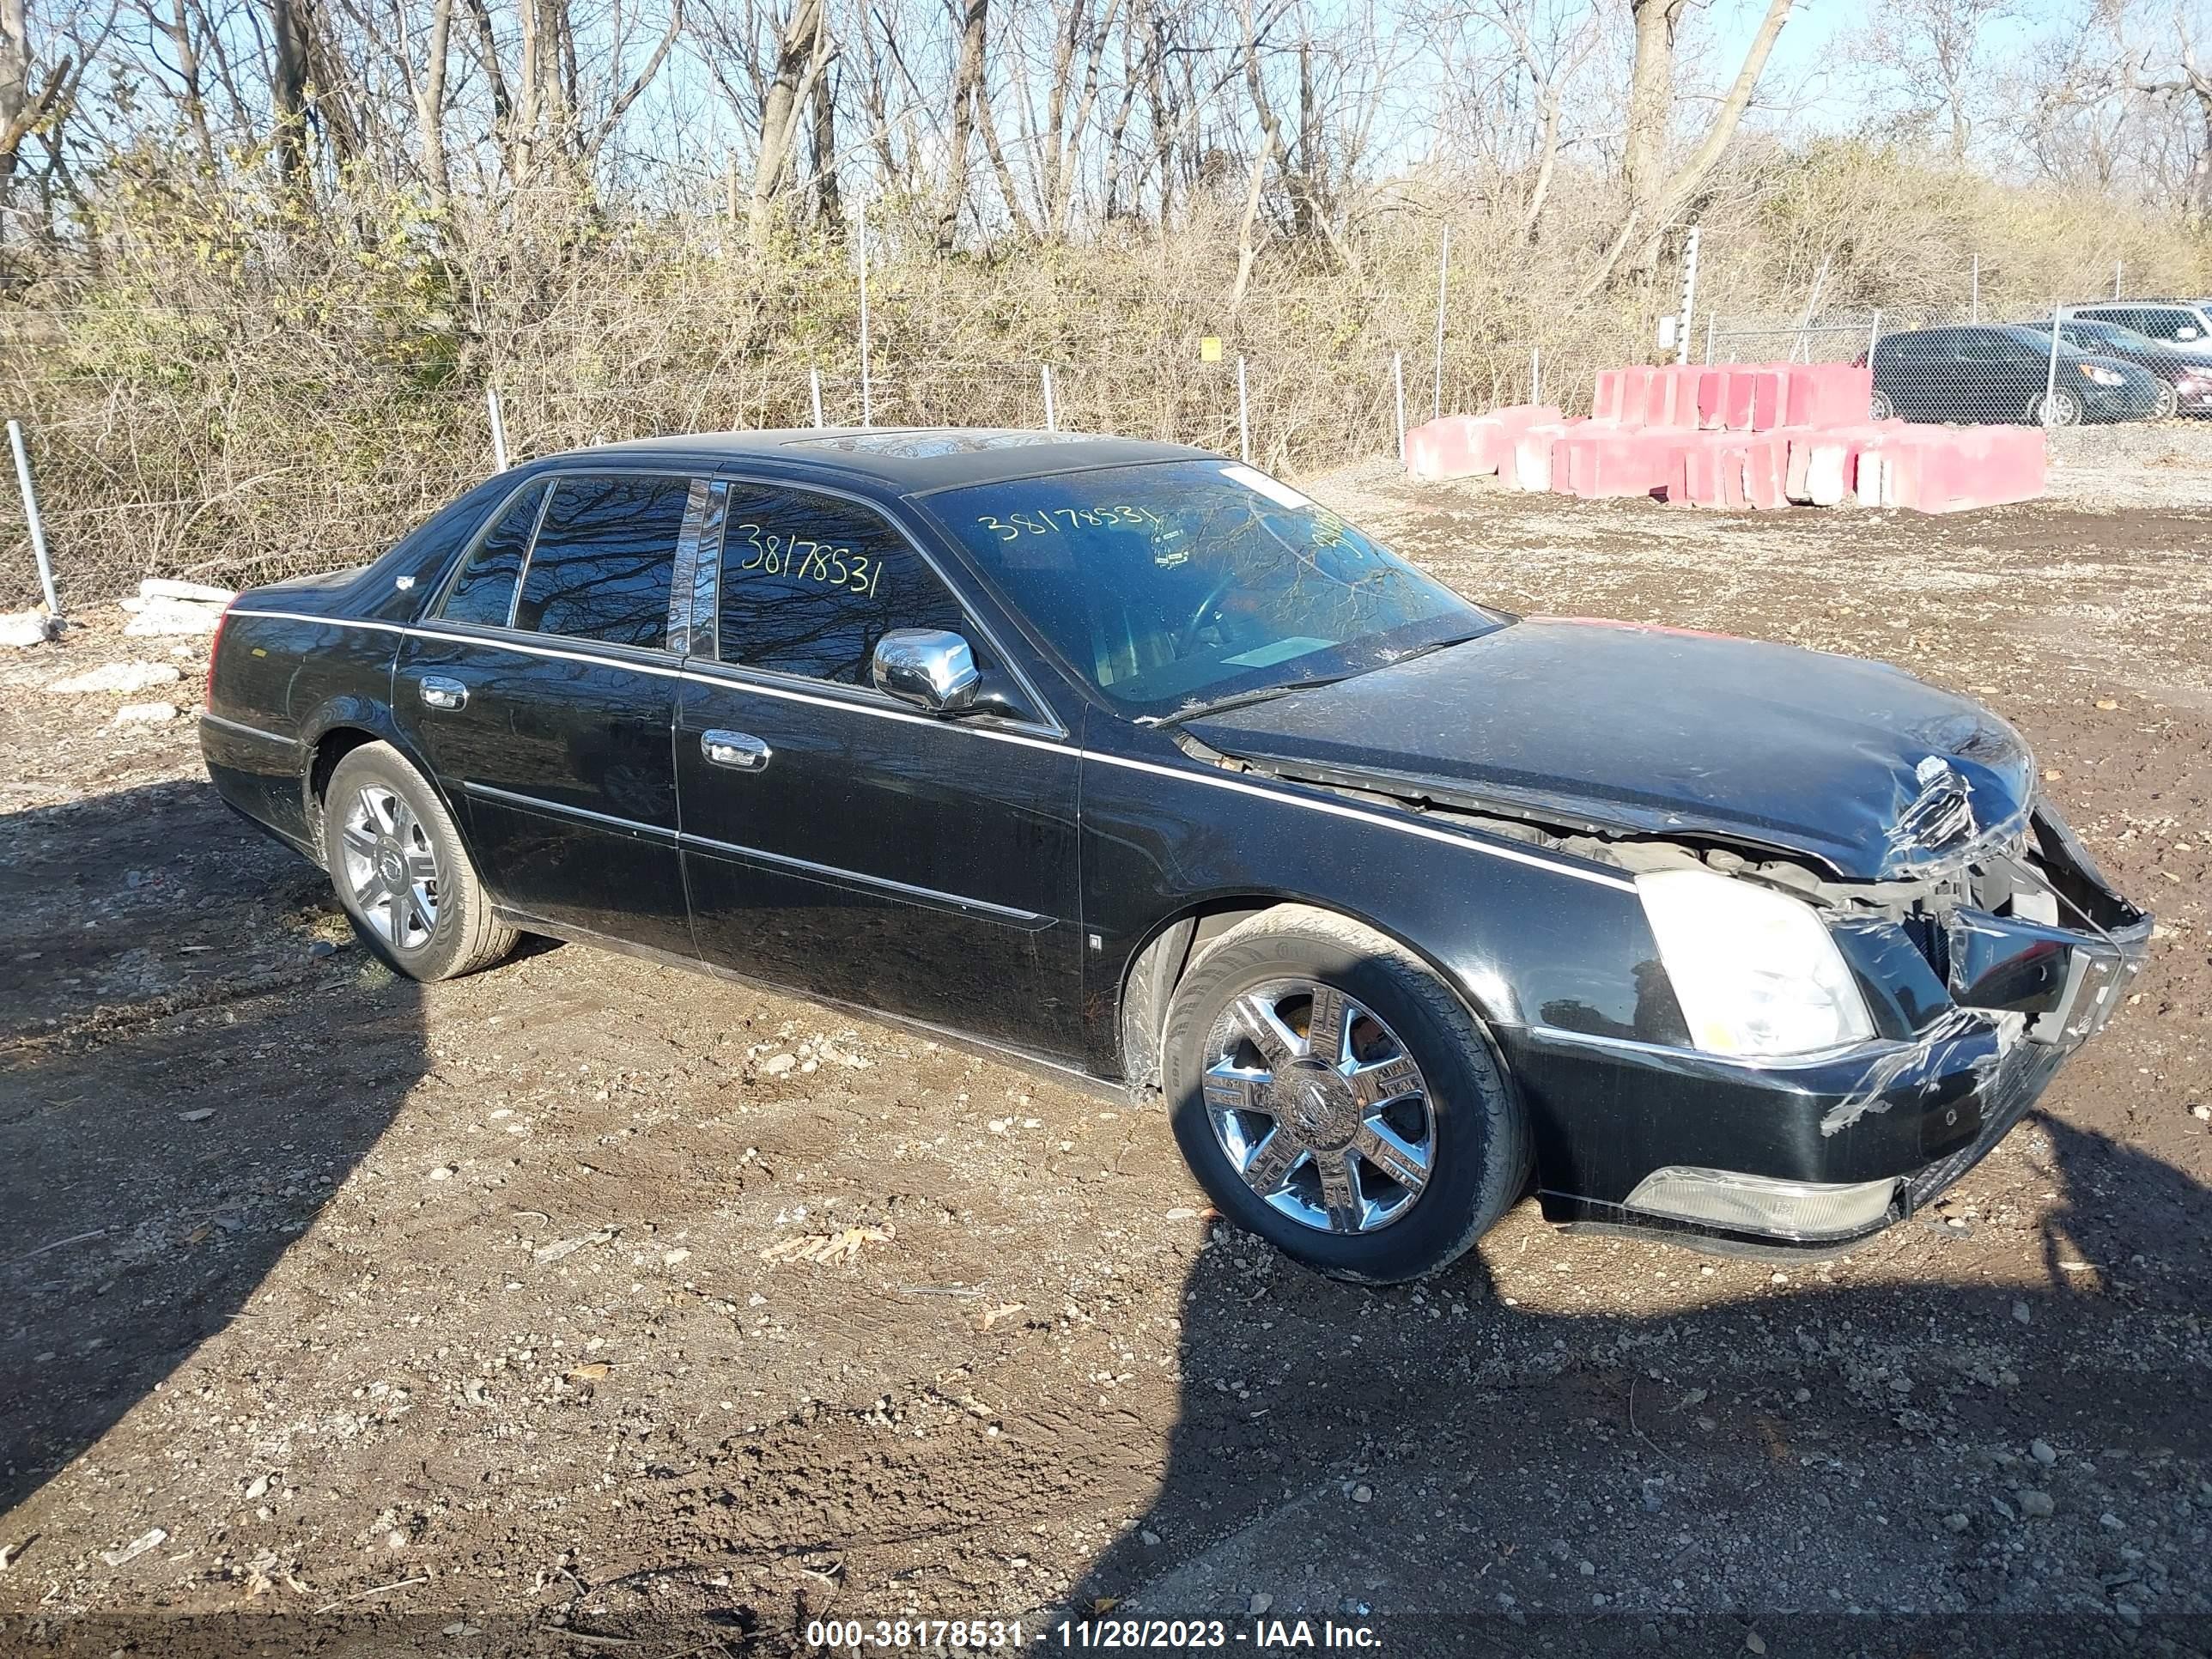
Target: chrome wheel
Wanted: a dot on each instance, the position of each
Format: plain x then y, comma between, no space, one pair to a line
1319,1107
391,868
2060,408
2169,401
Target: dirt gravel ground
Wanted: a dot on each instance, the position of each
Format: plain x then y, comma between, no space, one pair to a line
477,1319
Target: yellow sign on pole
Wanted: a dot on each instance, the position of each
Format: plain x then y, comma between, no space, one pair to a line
1209,349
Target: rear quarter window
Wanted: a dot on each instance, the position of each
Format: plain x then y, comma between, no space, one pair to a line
483,592
605,559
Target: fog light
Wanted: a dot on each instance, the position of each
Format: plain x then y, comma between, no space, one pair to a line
1757,1203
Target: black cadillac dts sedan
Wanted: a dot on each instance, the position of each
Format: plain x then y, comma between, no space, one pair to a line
1139,763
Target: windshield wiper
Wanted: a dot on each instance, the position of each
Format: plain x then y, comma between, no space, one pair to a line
1238,700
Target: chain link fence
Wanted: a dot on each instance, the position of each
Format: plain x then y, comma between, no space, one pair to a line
2091,362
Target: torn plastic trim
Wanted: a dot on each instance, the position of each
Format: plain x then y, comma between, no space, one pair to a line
1958,1056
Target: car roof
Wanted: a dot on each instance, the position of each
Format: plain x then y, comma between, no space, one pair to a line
902,460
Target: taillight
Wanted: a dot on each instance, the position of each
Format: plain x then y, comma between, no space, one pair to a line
214,639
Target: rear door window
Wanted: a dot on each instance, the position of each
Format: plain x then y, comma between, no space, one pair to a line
604,560
810,583
483,592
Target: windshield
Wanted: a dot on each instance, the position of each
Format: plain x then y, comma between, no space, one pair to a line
1185,582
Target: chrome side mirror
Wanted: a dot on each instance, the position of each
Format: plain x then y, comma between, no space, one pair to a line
928,668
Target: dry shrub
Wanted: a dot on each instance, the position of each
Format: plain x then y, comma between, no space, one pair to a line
235,390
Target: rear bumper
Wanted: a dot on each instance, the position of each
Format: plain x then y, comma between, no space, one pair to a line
1872,1134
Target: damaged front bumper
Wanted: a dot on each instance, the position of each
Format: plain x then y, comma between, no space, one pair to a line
1977,1011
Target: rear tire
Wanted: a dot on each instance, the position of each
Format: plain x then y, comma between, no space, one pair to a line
400,871
2169,401
1879,407
1333,1096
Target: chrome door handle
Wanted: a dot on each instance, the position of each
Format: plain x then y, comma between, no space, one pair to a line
439,692
740,749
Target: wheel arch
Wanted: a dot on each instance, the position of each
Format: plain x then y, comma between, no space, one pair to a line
338,728
1174,943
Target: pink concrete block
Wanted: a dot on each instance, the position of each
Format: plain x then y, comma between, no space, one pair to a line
1635,395
1737,399
1766,404
1764,460
1605,403
1697,462
1683,407
1800,400
1599,460
1712,398
1532,454
1446,448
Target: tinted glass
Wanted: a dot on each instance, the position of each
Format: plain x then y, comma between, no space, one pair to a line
1188,581
811,583
605,559
484,591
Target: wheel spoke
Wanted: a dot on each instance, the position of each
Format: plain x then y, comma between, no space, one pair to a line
359,841
423,866
1326,1025
1227,1089
377,805
1399,1159
1385,1080
1257,1019
1271,1162
418,913
395,912
1339,1190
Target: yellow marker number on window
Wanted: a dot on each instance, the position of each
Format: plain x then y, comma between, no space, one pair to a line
776,555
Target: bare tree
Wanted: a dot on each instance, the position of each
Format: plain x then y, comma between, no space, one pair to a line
27,96
1655,190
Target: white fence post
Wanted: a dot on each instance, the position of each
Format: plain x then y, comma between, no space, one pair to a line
1974,293
1398,385
2116,279
31,517
498,426
868,405
2050,374
1709,339
1443,275
1689,297
814,382
1051,413
1874,333
1243,416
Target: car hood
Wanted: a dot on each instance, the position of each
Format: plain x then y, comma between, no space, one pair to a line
1615,728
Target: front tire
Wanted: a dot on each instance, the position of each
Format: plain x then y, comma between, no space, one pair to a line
2169,401
1333,1096
2059,408
396,863
1879,407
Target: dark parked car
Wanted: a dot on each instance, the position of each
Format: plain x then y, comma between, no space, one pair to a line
1140,764
2181,325
2188,378
1997,373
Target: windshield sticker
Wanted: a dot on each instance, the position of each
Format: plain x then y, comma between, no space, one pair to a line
1260,484
1281,651
775,554
1048,520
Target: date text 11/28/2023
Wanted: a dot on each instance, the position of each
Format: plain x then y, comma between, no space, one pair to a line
1133,1635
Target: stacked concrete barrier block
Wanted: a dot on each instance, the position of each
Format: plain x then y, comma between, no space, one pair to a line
1761,436
1471,446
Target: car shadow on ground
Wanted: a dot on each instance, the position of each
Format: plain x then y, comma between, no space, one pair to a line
185,1085
1777,1472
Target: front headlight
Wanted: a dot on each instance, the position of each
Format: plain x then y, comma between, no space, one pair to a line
2102,375
1756,971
